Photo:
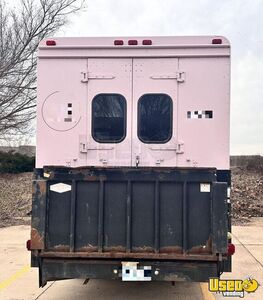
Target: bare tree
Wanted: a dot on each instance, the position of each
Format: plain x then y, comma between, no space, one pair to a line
21,30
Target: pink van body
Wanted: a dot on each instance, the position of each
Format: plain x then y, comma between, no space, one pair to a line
193,71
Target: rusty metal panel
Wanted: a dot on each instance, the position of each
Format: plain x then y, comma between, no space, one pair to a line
86,235
54,269
219,215
171,214
58,218
199,218
155,213
115,216
38,223
142,255
143,216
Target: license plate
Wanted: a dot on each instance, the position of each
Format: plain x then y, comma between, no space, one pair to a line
131,271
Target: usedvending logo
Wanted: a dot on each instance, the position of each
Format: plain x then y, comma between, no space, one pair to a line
233,288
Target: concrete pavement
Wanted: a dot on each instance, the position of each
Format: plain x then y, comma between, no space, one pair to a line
13,259
248,259
105,289
18,281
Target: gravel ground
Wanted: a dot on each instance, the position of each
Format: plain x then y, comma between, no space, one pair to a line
246,197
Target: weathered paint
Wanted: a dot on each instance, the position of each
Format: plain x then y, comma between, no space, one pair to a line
72,237
37,241
134,71
133,255
38,222
55,268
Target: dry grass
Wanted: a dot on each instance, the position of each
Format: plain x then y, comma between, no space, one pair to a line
246,196
15,198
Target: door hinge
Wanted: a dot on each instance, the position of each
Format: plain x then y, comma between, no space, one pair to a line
84,147
179,76
178,148
86,76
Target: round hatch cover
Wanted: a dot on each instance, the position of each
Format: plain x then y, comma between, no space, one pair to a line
61,111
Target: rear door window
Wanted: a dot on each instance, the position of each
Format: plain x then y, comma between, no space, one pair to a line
155,121
109,118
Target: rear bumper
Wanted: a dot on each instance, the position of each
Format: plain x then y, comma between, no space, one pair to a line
57,269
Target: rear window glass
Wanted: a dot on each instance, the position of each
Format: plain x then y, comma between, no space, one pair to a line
155,118
108,118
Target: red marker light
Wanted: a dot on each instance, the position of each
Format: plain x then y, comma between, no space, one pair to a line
132,42
216,41
118,42
51,43
28,245
231,249
147,42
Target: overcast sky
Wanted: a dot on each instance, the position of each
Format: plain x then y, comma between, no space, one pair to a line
239,20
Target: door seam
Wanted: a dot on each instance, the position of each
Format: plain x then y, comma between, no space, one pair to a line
177,112
132,120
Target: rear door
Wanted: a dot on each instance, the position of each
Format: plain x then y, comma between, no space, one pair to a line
109,116
154,122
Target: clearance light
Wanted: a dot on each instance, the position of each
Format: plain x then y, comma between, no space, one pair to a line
118,42
231,249
51,43
132,42
216,41
147,42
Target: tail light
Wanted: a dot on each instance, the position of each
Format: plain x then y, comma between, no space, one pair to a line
118,42
216,41
132,42
28,245
231,249
51,43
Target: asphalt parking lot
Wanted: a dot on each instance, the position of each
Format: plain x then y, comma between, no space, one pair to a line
18,281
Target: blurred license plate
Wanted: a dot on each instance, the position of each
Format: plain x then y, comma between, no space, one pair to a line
131,271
